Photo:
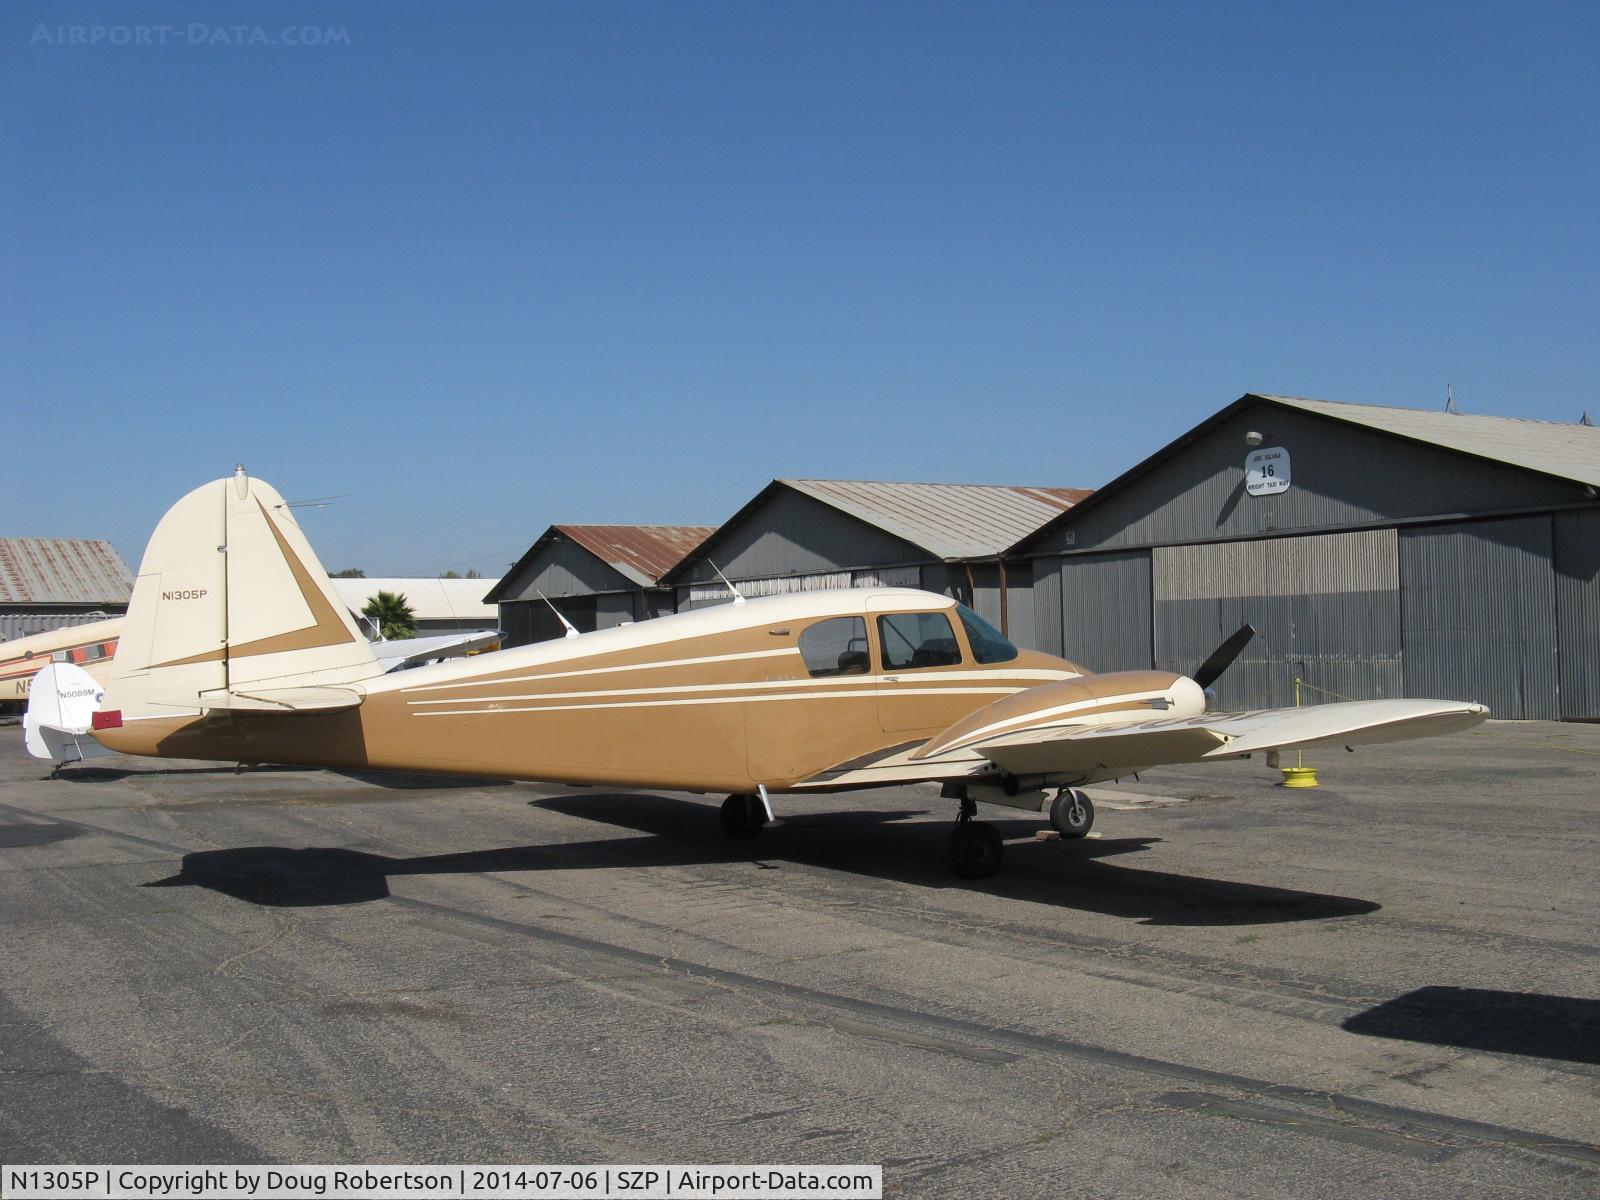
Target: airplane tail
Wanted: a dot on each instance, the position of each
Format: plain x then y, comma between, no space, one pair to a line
230,596
62,702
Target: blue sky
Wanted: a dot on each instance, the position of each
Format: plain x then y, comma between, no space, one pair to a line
490,266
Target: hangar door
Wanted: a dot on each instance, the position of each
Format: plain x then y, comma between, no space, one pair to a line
1101,603
1480,615
1326,608
1577,543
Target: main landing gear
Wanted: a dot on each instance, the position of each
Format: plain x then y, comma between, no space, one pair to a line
1071,813
975,846
743,815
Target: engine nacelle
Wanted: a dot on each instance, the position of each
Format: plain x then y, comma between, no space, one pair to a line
1113,698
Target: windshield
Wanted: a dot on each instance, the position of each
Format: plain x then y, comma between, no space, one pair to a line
989,645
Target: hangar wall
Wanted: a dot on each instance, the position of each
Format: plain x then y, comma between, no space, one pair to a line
42,618
1326,608
1105,604
1480,614
795,535
793,542
1001,594
1577,568
1344,475
566,569
1503,611
573,578
1390,567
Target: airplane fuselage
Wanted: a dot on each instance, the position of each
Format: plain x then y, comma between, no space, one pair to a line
718,699
90,646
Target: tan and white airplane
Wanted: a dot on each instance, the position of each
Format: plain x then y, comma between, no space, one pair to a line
236,648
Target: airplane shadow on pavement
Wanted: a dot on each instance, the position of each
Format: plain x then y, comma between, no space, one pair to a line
883,845
1559,1027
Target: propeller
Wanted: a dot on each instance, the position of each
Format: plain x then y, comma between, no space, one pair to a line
1222,657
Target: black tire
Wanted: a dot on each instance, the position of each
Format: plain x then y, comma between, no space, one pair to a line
743,816
975,850
1072,813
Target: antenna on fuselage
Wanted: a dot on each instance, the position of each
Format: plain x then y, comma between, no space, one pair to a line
571,632
738,596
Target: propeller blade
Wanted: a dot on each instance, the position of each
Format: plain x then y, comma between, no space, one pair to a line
1222,657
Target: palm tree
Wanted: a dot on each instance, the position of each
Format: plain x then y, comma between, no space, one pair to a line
392,615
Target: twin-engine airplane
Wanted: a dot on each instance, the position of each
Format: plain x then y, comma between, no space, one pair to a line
237,649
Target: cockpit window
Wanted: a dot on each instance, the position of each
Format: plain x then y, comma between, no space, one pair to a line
912,640
837,646
989,645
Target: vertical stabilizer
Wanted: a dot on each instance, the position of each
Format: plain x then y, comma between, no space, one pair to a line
230,594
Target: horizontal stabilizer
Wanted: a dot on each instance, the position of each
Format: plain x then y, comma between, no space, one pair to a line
392,656
1067,748
282,700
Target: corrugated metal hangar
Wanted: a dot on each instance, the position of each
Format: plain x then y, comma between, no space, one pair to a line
1378,551
807,534
47,583
596,575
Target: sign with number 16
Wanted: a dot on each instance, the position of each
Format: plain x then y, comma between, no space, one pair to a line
1266,471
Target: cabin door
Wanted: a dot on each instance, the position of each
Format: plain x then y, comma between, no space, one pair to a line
924,681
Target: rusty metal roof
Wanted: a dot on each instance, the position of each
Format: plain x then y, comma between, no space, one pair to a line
641,554
62,571
949,520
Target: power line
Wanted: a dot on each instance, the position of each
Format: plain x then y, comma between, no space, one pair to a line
419,520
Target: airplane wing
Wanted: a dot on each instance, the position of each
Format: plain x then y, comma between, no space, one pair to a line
1067,748
898,764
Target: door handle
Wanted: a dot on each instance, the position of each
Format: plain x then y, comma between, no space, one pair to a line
891,679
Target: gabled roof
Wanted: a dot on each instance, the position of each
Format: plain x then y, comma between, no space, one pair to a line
641,554
62,571
430,599
950,521
1565,450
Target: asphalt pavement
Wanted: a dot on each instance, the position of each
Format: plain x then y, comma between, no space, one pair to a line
1385,986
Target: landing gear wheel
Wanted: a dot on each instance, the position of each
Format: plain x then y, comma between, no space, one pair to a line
975,850
1072,813
742,815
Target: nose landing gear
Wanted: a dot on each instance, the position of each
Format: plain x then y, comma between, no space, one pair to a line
975,847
